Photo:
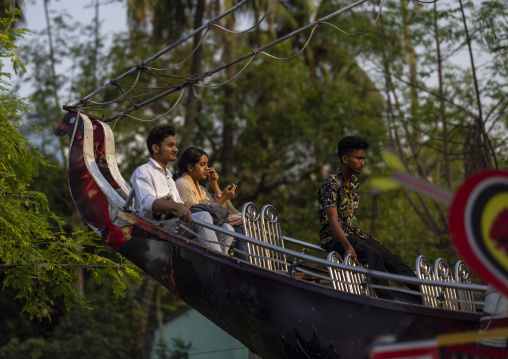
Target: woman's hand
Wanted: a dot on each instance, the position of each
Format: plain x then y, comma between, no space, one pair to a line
228,192
213,176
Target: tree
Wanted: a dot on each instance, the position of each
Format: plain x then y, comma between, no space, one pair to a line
36,256
435,104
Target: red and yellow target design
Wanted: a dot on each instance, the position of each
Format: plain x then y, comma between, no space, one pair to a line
478,223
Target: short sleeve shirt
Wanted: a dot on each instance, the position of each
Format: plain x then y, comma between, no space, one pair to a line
334,193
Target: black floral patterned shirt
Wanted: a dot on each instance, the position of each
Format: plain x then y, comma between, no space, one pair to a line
334,193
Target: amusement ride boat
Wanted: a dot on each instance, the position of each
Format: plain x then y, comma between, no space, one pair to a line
279,302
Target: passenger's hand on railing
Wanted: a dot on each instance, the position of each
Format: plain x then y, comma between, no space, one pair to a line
184,213
350,250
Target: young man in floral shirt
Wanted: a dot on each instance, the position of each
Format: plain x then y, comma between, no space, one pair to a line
338,199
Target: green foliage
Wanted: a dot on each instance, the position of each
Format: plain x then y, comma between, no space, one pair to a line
288,117
39,256
178,350
105,332
8,36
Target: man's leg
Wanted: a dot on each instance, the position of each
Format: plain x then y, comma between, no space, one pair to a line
367,255
224,239
394,263
374,259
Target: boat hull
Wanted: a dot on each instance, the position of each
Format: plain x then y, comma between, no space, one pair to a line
281,317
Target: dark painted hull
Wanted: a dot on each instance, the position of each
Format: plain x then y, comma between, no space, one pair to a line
281,317
272,314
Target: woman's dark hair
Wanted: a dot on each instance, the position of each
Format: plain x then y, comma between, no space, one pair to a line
349,144
157,135
190,156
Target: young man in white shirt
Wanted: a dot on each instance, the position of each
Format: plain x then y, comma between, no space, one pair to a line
156,191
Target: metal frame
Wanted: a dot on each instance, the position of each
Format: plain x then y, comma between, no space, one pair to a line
443,273
466,297
272,233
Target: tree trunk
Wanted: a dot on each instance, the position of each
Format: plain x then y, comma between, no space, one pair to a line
96,46
444,122
411,59
54,78
486,150
145,295
228,154
192,101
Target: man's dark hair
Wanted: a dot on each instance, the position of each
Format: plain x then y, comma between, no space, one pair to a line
349,144
157,135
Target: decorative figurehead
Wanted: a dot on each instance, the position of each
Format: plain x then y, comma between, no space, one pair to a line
67,125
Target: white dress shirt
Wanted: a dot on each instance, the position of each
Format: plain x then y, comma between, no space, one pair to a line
151,182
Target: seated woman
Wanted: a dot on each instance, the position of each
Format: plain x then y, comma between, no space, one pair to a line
193,166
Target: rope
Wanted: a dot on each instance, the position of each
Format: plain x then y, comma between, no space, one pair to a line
187,58
299,52
123,94
206,32
365,31
160,53
251,28
155,119
231,79
76,123
192,79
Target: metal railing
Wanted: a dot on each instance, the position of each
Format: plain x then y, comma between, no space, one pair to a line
322,265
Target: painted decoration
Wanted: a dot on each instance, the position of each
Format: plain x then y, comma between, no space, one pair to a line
478,223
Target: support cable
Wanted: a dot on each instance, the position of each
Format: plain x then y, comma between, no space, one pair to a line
123,114
365,31
160,53
252,53
231,79
113,82
187,58
299,52
206,32
252,27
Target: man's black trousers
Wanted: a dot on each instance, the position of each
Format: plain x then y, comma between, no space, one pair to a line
379,258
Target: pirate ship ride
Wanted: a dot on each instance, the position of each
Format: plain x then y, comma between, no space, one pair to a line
280,303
